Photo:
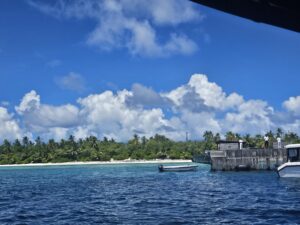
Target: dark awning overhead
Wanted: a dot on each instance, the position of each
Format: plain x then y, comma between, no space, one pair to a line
228,142
281,13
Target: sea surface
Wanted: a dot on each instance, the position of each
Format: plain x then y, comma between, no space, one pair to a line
139,194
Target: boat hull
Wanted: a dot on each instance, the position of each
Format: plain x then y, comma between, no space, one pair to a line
177,168
289,170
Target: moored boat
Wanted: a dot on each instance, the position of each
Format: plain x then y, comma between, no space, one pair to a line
181,168
292,167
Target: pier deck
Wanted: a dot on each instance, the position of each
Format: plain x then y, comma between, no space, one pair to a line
232,155
252,159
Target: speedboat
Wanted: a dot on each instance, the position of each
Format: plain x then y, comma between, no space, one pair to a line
292,167
181,168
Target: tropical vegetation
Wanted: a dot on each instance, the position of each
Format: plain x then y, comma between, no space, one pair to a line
93,149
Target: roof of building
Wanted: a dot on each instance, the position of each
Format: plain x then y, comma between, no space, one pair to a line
280,13
292,146
228,142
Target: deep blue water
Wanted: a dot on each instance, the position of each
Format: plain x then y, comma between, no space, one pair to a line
139,194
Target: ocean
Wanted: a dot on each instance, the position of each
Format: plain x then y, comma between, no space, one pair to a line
139,194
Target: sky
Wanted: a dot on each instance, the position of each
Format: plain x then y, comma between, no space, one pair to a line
118,68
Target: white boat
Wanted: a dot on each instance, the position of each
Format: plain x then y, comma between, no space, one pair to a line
181,168
292,167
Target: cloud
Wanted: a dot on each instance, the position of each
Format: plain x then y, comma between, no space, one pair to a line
144,96
194,107
292,105
179,43
107,114
131,25
198,123
56,133
200,94
213,94
29,103
253,116
292,126
290,118
169,13
140,110
72,81
9,127
193,102
43,118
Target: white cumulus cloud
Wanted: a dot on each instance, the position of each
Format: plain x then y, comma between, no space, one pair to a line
253,116
198,123
108,115
9,127
293,105
194,107
43,118
211,94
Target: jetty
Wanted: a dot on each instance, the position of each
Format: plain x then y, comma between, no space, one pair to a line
233,156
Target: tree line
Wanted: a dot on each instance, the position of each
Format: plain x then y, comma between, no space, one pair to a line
93,149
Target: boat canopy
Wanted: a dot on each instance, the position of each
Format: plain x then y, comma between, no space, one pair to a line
292,146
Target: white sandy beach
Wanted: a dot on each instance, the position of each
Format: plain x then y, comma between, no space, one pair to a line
157,161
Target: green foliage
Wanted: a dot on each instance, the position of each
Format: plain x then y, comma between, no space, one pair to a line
291,137
230,136
210,140
93,149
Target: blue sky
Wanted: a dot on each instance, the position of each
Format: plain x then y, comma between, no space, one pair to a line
65,51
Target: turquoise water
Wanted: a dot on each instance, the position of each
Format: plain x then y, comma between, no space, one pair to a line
139,194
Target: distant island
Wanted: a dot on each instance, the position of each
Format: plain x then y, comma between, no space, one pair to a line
26,151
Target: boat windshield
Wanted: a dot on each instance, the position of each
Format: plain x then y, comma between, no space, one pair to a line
293,154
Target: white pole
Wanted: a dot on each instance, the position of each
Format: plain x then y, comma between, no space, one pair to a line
241,144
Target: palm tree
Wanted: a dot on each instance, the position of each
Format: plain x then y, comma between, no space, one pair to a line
217,137
208,136
6,146
25,141
230,136
279,132
249,141
291,137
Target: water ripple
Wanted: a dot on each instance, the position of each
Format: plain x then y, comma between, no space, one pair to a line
139,194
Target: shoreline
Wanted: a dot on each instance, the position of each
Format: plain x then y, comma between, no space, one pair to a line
112,162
